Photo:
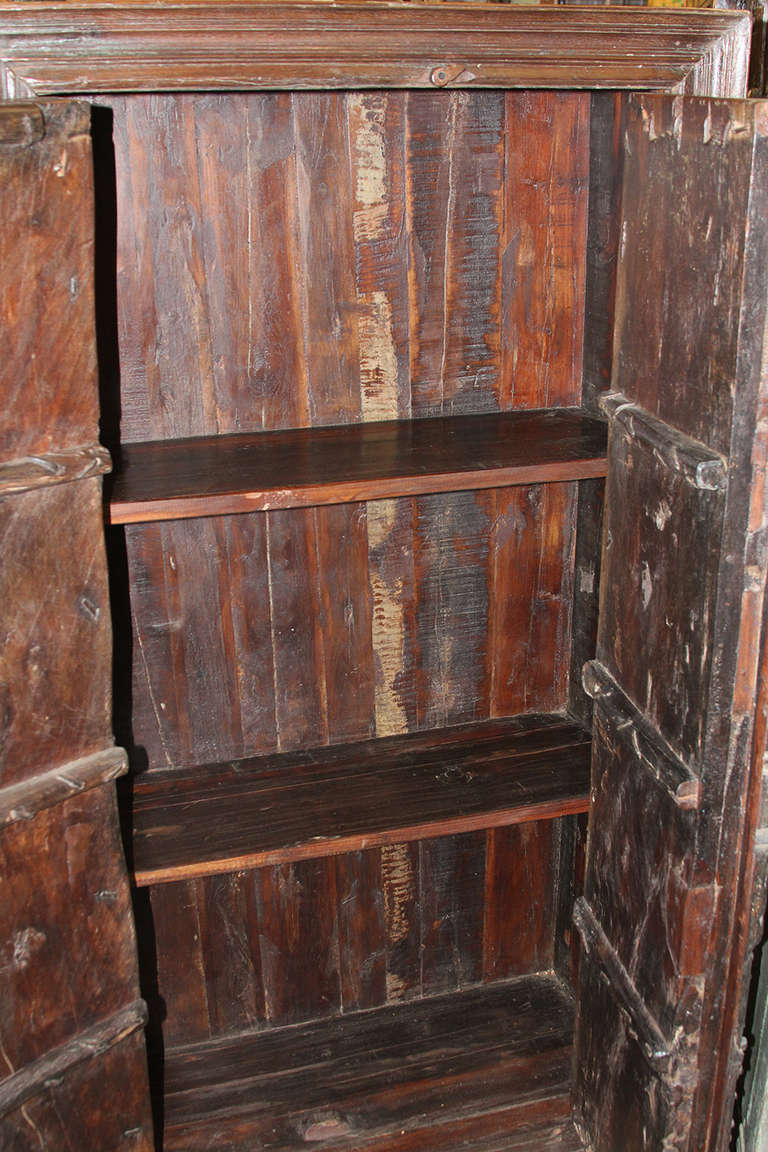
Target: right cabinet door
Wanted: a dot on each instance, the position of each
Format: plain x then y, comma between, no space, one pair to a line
664,921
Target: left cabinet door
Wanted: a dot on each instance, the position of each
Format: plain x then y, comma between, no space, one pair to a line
72,1056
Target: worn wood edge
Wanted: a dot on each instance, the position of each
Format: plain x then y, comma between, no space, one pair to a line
321,846
30,472
651,749
51,1068
58,48
350,492
598,949
21,124
702,468
23,801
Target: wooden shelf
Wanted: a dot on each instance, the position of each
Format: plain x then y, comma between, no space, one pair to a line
299,805
214,475
480,1070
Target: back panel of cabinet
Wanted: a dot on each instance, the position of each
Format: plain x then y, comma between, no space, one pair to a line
296,260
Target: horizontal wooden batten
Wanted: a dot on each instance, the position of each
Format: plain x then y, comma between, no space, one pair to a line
648,746
24,800
480,1069
101,47
51,1068
599,951
300,805
216,475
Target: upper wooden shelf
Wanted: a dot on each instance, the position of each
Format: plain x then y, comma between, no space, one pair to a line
299,805
214,475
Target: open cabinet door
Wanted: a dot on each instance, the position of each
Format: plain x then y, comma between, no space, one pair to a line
664,920
71,1022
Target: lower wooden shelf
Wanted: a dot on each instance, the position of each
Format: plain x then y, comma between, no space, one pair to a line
299,805
483,1070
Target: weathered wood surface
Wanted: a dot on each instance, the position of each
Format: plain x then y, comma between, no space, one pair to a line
137,47
683,601
354,796
471,1070
180,479
46,289
71,1075
316,938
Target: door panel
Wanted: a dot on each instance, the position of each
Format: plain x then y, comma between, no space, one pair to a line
71,1020
682,596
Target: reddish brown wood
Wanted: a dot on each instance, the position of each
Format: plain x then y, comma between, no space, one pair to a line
370,45
519,909
70,1017
211,476
307,804
436,1075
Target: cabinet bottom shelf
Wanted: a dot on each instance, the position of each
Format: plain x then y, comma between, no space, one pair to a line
483,1070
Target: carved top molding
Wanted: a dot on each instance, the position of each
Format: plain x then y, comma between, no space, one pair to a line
65,48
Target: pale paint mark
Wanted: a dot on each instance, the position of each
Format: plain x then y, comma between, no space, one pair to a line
378,360
646,584
388,627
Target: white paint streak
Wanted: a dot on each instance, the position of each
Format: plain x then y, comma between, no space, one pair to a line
646,584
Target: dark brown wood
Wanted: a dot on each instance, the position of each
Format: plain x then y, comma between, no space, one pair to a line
437,1075
217,475
685,489
137,48
100,1101
17,1089
333,800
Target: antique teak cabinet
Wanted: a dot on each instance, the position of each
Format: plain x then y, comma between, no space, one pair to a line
355,293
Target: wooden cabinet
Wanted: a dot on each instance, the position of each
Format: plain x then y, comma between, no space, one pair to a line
361,277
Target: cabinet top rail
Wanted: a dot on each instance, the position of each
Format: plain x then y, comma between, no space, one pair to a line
134,46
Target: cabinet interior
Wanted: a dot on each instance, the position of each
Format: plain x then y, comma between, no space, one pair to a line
359,749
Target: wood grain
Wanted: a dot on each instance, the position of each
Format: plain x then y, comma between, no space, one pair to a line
307,804
135,48
216,475
427,1076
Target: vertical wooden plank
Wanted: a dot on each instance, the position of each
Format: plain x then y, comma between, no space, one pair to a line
519,913
165,336
345,620
245,546
277,356
451,566
532,563
297,650
546,189
470,360
401,885
325,200
455,163
377,136
362,930
431,128
453,882
221,171
606,158
178,953
299,940
230,947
